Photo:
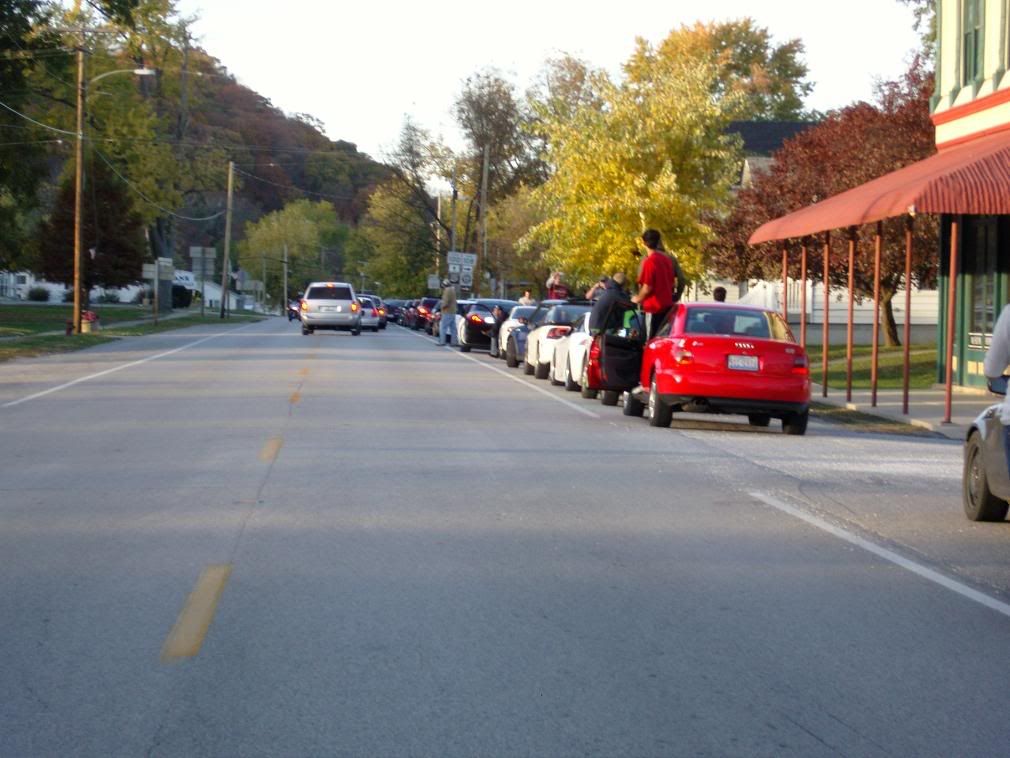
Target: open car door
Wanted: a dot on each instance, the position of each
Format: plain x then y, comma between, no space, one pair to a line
616,353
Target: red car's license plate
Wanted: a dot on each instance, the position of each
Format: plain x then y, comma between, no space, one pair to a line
742,362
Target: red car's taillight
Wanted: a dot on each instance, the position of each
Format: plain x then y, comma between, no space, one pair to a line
423,311
801,365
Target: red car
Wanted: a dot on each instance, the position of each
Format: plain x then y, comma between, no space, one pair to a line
719,358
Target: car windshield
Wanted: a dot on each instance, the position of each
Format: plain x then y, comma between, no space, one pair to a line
522,311
329,293
565,314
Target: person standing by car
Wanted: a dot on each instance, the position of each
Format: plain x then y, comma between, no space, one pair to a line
657,282
607,312
719,294
997,358
597,289
526,299
499,318
447,324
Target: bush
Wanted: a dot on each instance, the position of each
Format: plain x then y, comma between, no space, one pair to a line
38,295
181,297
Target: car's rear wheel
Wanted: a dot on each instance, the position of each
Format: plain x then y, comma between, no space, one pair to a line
356,331
632,405
305,330
570,384
510,354
979,502
658,412
796,423
587,392
610,397
759,419
541,370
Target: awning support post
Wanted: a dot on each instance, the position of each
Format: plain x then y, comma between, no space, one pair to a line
785,284
878,243
825,338
803,294
851,328
948,401
907,336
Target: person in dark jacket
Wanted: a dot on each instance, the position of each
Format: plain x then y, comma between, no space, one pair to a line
607,312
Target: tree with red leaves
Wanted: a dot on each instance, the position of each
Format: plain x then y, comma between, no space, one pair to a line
850,147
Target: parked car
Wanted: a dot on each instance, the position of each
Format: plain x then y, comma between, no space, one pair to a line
380,306
985,482
394,310
423,314
556,324
718,358
515,346
569,359
330,305
518,316
370,318
479,324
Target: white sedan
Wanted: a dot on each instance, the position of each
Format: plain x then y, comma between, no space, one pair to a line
517,317
541,341
570,353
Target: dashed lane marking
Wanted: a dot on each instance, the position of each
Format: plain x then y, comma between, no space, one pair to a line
295,398
190,630
888,555
271,449
541,390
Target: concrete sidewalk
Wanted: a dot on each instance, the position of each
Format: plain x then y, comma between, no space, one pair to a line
925,407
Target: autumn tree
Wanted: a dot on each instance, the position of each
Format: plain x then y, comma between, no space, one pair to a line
764,81
654,154
113,239
850,147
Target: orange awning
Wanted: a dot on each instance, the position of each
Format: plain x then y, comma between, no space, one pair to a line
972,178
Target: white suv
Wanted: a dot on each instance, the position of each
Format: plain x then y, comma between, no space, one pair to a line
330,305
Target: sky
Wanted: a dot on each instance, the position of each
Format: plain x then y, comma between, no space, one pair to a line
362,67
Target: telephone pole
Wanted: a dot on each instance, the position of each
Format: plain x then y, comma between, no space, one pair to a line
226,263
482,249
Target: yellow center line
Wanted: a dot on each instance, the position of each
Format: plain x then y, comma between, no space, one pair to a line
304,371
187,636
270,450
296,397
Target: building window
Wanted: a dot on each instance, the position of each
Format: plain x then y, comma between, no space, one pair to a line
972,33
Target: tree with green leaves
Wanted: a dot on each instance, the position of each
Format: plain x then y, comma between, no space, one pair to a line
395,245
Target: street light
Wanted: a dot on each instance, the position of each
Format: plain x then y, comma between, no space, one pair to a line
79,178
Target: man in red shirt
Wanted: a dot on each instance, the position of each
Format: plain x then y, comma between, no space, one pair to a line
657,282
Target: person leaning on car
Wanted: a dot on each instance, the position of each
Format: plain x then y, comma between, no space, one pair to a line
608,304
997,358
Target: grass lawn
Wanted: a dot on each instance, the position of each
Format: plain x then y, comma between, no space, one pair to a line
20,320
31,343
891,361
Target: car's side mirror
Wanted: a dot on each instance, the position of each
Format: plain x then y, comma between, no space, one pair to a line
998,385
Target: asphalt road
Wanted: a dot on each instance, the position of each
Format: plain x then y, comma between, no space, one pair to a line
245,542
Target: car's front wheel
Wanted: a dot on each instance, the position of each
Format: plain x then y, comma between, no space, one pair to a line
587,392
570,384
632,405
979,502
541,370
528,368
610,397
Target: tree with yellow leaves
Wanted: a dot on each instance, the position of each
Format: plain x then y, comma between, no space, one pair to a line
650,151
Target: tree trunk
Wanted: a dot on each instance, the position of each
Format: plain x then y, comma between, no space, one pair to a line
891,338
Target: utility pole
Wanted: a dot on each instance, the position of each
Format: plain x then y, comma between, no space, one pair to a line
482,250
226,263
79,181
263,284
285,303
452,220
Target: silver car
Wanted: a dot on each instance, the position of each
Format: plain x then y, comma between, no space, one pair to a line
985,483
330,305
369,313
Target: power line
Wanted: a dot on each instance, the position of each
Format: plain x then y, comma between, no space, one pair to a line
292,187
148,200
35,142
37,123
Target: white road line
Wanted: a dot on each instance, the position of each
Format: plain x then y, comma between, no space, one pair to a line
507,375
888,555
114,369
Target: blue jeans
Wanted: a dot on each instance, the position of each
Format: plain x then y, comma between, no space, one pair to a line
447,328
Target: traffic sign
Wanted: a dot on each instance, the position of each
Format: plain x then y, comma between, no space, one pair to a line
454,268
432,281
461,259
466,279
